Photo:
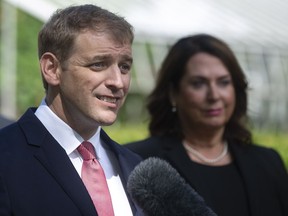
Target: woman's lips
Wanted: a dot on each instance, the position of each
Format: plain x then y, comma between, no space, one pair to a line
213,112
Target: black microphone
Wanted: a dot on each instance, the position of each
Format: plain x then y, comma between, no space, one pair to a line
159,190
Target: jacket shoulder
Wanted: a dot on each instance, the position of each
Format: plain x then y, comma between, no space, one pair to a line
151,146
265,156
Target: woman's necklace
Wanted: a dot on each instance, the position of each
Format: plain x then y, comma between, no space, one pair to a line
202,157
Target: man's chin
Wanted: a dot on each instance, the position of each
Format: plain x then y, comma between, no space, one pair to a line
108,121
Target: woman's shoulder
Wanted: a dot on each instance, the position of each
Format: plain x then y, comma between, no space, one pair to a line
267,155
258,149
144,144
151,146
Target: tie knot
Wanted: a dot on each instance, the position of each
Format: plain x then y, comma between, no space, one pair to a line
86,150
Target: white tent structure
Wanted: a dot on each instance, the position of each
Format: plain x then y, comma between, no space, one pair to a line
248,21
257,31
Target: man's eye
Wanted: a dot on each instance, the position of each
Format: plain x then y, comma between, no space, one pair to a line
97,65
125,68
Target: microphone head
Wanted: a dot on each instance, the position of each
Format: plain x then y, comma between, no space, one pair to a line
160,191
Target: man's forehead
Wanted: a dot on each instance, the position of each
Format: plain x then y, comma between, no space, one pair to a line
105,35
101,44
100,39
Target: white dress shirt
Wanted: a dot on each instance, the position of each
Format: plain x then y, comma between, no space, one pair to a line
70,140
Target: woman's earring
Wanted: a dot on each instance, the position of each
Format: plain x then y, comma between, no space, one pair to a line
174,109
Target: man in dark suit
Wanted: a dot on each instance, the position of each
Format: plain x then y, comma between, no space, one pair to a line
85,60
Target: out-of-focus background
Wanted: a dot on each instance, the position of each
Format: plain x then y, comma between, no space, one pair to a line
256,30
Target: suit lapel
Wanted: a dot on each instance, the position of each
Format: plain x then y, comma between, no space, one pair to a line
177,156
55,160
248,169
126,164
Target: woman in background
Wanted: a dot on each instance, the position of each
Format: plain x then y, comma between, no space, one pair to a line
198,112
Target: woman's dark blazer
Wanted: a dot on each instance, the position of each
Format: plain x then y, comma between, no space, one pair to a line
264,174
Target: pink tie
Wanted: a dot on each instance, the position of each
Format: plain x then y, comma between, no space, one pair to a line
94,180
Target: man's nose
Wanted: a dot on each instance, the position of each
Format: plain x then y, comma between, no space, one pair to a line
115,78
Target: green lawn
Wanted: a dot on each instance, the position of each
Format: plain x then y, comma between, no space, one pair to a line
125,133
131,132
278,141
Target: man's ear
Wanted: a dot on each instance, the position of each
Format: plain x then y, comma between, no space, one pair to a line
50,68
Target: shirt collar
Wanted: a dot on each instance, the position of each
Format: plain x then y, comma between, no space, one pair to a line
62,132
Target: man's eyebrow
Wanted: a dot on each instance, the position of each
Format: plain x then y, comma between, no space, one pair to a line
128,58
108,56
101,57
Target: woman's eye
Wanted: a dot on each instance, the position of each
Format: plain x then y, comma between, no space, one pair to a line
197,83
225,82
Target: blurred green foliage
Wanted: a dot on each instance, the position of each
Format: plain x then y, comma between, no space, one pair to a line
275,140
127,132
29,84
29,90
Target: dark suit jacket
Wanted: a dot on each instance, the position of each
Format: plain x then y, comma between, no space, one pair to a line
263,172
5,121
37,177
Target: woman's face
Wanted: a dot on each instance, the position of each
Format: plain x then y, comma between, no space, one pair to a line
206,96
